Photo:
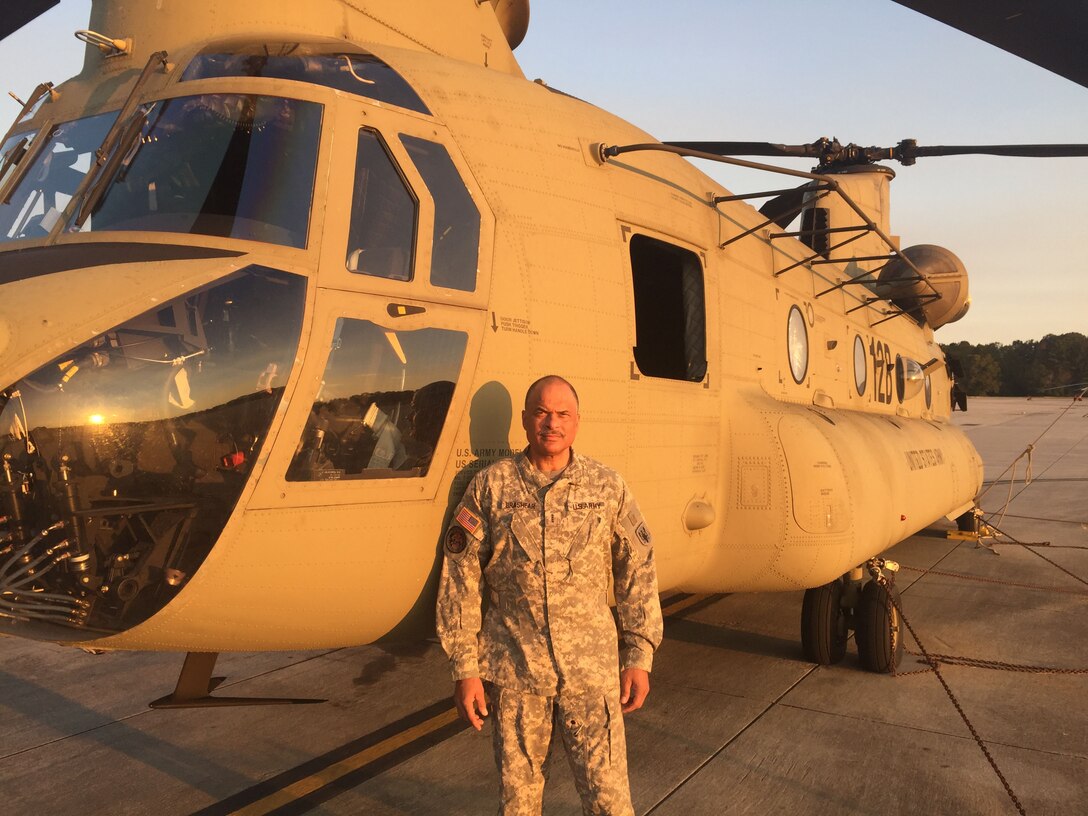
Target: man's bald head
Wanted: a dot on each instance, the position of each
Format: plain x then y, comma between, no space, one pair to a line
549,379
550,420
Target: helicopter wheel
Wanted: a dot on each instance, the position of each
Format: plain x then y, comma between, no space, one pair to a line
879,628
823,624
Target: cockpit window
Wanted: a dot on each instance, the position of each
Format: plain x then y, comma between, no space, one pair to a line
13,149
383,401
42,94
50,182
382,235
229,165
353,70
456,240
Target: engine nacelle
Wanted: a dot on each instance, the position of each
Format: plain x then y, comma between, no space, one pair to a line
942,273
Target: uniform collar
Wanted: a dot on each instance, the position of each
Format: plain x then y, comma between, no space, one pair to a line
572,473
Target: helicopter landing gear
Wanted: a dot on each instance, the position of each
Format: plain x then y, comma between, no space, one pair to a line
824,624
870,609
878,625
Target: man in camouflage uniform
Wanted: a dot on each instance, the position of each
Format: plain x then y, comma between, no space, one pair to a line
539,535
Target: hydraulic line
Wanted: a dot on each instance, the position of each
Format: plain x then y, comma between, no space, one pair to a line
35,607
50,596
27,579
30,616
31,565
26,547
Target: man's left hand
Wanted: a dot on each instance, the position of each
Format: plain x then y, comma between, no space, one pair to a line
634,686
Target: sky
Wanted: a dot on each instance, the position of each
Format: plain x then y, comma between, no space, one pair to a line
791,71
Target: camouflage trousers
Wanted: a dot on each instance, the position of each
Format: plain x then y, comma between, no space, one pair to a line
591,726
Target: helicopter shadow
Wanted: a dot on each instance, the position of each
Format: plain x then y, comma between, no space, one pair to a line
719,636
490,416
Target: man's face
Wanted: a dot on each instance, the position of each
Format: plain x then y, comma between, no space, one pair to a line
550,420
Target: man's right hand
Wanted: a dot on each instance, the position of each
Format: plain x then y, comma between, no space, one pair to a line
468,696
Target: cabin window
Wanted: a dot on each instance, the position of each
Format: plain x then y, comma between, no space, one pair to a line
383,401
861,366
352,70
910,378
456,240
670,312
382,235
797,344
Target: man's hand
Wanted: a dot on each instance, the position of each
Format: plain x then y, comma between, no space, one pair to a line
468,696
634,686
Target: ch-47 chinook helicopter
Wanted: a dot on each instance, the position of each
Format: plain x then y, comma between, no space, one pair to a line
273,278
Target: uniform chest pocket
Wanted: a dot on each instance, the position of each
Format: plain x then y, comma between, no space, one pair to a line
527,537
584,533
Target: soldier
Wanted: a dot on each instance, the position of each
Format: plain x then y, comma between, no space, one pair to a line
539,535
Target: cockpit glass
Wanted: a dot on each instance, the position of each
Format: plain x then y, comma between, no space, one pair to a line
9,151
228,165
49,183
456,238
353,71
382,236
383,401
44,94
124,457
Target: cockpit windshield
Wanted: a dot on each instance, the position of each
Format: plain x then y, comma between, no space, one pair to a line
230,165
50,182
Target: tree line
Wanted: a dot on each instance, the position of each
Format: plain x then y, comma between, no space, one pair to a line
1052,366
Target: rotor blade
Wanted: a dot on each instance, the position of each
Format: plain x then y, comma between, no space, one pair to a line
17,15
748,149
1049,33
1031,150
830,152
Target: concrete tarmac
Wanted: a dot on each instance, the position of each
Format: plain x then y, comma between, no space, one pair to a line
737,721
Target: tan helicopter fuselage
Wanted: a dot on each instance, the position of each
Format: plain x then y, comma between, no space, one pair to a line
751,478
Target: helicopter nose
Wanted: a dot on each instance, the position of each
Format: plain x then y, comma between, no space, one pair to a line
125,456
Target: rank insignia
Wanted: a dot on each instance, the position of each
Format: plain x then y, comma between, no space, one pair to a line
456,540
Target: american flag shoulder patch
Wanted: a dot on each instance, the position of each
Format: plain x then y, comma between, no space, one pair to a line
469,520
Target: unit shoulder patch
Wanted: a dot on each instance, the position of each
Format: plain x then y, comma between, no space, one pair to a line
456,540
637,533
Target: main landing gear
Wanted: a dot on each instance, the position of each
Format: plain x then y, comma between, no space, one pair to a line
870,609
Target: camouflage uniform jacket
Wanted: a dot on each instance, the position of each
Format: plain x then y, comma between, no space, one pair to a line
541,554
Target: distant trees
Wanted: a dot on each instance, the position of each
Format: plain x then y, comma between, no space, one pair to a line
1023,368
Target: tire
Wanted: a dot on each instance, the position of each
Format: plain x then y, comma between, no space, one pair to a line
823,624
879,629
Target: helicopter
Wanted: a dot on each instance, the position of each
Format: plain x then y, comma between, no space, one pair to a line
274,279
